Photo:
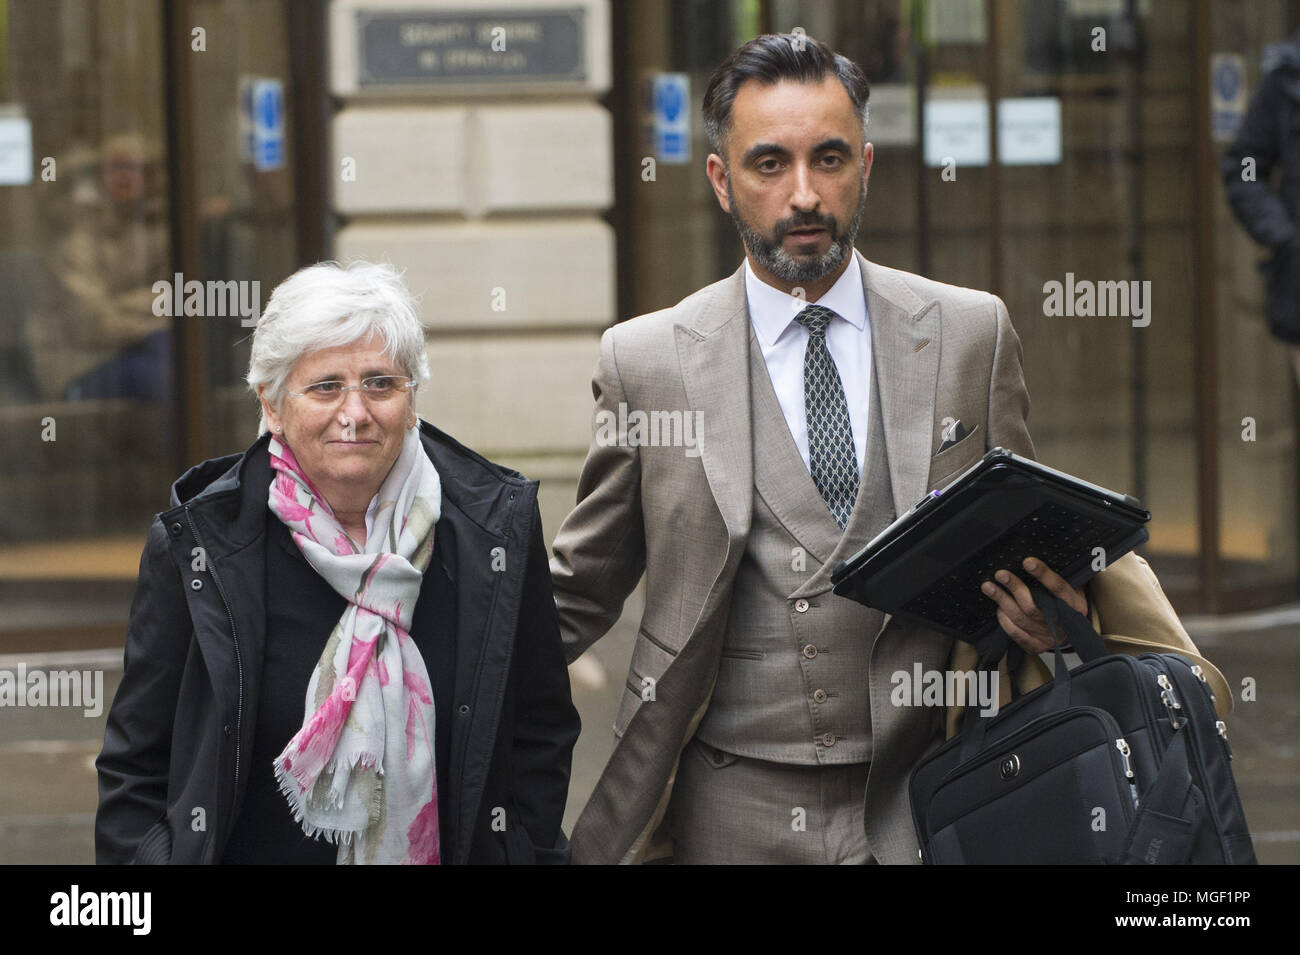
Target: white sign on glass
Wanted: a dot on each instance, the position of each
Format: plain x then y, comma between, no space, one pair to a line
1029,131
957,130
15,150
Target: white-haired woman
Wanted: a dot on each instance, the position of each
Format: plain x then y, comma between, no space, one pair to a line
343,645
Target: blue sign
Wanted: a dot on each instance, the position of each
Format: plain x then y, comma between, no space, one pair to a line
1227,94
268,124
1227,79
671,106
669,99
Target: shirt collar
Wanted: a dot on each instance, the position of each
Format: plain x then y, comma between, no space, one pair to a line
772,311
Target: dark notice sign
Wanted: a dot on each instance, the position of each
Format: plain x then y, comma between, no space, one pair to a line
437,47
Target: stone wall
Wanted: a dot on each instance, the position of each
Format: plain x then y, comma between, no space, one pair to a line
489,194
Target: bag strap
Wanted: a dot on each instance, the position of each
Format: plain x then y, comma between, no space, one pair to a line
1061,618
1170,813
1078,629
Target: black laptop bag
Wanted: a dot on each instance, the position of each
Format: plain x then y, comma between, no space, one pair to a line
1122,760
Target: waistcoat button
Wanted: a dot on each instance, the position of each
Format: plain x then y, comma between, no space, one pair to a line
801,605
810,651
819,696
828,739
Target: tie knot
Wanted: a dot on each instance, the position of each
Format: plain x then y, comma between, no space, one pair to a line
815,318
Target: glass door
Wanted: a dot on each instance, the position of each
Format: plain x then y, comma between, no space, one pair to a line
151,166
86,376
239,112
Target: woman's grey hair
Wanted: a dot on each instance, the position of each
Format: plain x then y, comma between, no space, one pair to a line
327,305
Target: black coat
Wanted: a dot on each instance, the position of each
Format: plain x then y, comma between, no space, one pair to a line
173,770
1270,135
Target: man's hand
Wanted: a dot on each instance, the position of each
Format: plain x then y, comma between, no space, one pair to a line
1017,612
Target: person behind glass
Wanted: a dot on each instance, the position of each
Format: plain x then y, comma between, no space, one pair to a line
1268,139
343,646
96,334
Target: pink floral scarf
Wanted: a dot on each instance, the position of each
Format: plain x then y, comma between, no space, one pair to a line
361,771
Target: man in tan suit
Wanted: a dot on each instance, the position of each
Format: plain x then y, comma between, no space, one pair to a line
748,439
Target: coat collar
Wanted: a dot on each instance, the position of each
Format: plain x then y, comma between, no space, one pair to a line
233,489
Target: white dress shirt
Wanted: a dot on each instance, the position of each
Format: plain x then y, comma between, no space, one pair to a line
783,342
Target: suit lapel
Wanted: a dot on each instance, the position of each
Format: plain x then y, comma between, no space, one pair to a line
905,357
713,351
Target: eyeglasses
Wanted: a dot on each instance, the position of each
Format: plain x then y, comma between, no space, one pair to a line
378,388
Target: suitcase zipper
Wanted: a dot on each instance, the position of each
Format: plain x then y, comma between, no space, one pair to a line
1170,700
1218,724
1223,735
1121,744
1200,675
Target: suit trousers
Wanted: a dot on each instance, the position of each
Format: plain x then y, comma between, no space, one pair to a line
729,809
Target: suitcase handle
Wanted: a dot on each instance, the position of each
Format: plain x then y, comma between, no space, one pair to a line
1060,617
1062,620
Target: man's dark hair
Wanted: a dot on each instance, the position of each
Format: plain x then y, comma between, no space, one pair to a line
769,59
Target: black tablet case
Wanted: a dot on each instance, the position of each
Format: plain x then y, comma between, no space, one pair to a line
928,565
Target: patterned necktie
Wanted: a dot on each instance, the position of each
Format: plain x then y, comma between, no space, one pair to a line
831,455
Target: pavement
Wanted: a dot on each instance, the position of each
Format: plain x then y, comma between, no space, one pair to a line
47,754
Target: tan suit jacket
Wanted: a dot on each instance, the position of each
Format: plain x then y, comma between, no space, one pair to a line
681,517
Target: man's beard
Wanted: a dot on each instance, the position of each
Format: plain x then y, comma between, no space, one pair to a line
770,253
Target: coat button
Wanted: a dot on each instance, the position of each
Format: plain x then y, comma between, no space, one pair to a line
176,530
463,709
828,739
801,605
810,651
196,584
819,696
